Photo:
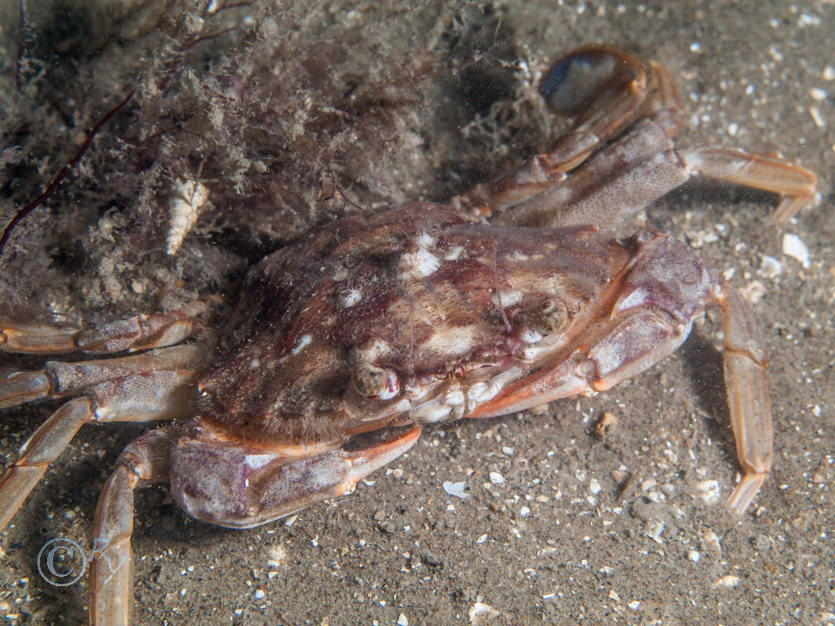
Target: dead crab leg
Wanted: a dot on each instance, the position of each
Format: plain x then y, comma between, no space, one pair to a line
140,332
145,387
286,486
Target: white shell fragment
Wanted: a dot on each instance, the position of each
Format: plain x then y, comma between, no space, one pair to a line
481,613
189,199
496,478
794,247
457,490
770,267
708,491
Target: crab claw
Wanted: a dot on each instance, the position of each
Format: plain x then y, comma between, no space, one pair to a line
239,486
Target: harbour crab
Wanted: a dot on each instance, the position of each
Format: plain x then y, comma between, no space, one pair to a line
518,293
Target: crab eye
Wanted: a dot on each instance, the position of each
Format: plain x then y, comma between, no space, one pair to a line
373,381
553,315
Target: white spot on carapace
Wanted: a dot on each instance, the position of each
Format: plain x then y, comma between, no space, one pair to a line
451,340
454,253
257,461
425,240
372,351
517,255
350,298
418,264
304,341
508,298
189,199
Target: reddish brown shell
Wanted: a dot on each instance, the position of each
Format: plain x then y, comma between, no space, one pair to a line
416,290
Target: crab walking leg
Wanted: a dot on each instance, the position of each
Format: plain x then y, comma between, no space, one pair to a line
140,332
606,90
41,449
60,379
748,399
642,167
796,184
138,397
111,576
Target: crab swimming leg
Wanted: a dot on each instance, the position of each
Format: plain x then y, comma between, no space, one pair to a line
748,400
140,332
144,387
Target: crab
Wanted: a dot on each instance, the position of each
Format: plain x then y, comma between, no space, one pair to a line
518,293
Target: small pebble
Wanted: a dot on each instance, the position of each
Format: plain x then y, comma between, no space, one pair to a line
728,581
496,478
402,620
694,555
711,542
818,94
655,528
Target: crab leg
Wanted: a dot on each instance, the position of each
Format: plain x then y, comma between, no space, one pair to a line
645,154
41,449
607,90
748,399
198,469
142,388
769,173
111,576
140,332
238,486
611,90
